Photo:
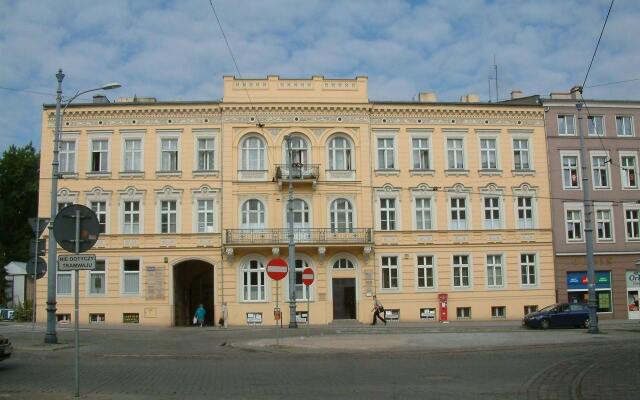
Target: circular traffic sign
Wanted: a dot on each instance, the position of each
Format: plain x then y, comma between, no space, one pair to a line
307,276
64,228
40,271
277,269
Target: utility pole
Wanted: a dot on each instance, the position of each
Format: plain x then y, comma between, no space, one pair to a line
588,228
293,323
51,336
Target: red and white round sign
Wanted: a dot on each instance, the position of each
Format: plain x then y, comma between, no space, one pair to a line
307,276
277,269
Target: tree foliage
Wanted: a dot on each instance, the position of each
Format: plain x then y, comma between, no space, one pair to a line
18,202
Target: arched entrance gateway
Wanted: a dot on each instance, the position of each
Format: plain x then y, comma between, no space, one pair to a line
192,285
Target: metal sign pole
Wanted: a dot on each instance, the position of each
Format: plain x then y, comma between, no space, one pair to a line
278,308
35,274
77,301
308,311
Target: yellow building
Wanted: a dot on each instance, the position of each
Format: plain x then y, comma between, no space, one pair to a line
406,200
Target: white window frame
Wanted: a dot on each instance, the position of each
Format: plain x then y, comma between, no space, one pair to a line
574,207
350,214
493,265
91,273
205,193
624,169
261,151
631,207
456,159
264,287
302,262
492,223
131,194
247,212
168,209
168,193
125,137
123,273
604,207
461,276
69,275
592,126
97,194
566,131
397,267
205,134
162,139
382,164
388,207
496,151
431,211
467,220
425,266
566,154
606,168
388,192
100,213
421,135
527,151
631,133
66,154
348,153
102,137
525,191
536,270
131,213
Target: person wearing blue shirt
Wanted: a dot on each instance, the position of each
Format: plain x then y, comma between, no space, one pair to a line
200,314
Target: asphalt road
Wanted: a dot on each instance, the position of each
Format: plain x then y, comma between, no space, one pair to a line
205,364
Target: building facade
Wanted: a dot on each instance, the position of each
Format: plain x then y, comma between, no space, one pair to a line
612,146
404,200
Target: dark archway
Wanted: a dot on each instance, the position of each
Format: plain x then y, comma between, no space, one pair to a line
192,285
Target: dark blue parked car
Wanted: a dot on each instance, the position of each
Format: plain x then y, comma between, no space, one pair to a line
561,315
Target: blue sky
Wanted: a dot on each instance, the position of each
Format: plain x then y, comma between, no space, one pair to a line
173,50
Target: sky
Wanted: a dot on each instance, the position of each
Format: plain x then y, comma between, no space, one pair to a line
174,50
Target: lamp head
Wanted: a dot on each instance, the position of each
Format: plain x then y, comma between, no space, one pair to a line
112,85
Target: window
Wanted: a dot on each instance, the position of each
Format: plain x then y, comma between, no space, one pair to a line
423,213
131,217
303,291
624,125
463,312
205,151
632,222
299,151
461,272
566,125
596,125
100,208
387,214
389,272
63,204
420,153
600,171
570,178
495,271
168,216
525,212
67,157
528,269
603,225
131,277
64,282
169,154
386,153
343,263
498,312
132,155
488,154
341,216
521,154
458,213
99,155
96,318
253,156
628,169
339,154
530,309
574,225
425,272
492,213
97,283
205,216
253,214
253,281
455,153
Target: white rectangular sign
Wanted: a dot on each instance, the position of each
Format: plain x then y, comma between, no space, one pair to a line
73,262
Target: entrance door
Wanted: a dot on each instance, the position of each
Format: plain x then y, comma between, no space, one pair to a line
344,298
192,286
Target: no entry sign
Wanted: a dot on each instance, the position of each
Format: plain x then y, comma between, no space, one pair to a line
307,276
277,269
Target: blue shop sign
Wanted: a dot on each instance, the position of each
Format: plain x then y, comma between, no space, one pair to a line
578,280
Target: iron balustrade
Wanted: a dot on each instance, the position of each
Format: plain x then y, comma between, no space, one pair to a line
301,235
297,171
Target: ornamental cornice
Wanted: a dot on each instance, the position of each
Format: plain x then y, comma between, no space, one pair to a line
137,116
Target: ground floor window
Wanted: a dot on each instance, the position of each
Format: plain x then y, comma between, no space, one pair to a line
96,318
530,309
498,312
577,289
63,318
130,318
463,312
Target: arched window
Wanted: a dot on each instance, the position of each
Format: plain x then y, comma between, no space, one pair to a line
252,214
298,152
253,281
301,220
340,154
341,216
253,154
343,263
302,290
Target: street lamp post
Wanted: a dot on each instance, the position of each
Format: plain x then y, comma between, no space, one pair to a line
51,336
293,323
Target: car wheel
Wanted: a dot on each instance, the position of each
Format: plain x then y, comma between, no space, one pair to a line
544,324
586,323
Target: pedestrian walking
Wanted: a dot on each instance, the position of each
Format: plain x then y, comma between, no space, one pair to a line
199,316
377,310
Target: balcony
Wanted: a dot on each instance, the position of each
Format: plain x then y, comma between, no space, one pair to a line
297,173
302,236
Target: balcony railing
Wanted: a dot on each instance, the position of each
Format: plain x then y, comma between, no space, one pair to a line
301,235
297,171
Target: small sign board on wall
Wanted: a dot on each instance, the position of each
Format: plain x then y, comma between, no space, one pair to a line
428,313
155,282
254,318
392,315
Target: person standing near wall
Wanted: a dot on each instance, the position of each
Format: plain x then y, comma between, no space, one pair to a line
200,314
377,310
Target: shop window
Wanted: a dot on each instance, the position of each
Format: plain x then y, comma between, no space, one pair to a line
463,312
96,318
577,289
63,318
302,317
498,312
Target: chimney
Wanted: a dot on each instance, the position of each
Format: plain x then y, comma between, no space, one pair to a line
470,98
427,97
100,99
516,94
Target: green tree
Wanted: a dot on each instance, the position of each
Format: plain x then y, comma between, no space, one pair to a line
18,189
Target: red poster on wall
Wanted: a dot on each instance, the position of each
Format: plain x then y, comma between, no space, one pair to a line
442,307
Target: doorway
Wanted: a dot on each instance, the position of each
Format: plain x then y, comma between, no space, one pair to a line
192,286
344,298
